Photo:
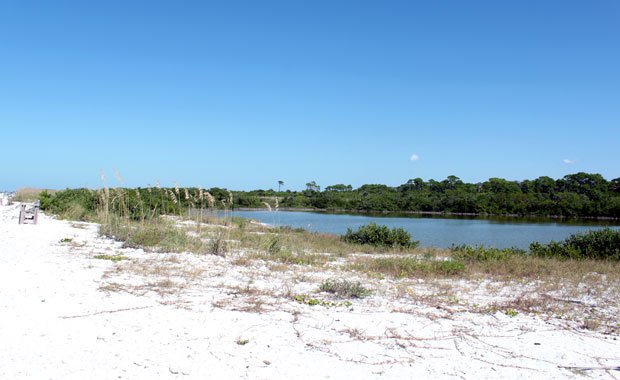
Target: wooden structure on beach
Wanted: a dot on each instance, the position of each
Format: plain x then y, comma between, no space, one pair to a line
30,215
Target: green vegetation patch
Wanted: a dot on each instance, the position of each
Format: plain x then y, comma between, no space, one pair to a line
306,300
479,253
345,289
382,236
411,266
603,244
115,258
155,235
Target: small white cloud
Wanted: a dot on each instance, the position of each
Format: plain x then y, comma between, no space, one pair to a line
414,157
569,162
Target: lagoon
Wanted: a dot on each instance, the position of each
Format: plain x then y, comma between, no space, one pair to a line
439,231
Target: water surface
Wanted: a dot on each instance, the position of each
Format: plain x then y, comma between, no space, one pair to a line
439,231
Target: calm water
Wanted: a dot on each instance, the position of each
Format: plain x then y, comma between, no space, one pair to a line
440,231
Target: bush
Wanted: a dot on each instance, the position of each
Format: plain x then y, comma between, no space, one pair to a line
217,245
448,267
78,204
380,236
274,245
594,244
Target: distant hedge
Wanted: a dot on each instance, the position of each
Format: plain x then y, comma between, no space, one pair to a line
594,244
380,236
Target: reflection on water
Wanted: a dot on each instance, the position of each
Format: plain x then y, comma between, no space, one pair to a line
440,230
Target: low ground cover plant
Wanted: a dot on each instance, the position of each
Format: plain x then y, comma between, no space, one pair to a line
480,253
114,258
344,288
411,266
307,300
155,235
373,234
595,244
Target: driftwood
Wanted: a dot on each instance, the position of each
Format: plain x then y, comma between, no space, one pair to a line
30,215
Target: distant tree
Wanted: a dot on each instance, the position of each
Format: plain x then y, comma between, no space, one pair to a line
452,183
545,185
339,188
374,188
418,184
614,185
591,185
435,186
280,183
500,186
312,186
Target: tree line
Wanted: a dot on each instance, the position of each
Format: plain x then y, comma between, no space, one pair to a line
579,194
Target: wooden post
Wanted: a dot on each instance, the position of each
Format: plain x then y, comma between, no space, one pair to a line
22,214
35,210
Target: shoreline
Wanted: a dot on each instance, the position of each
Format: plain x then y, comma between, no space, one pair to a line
430,213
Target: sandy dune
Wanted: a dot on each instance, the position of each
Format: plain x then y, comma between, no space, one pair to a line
67,315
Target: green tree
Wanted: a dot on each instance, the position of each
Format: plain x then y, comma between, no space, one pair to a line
312,186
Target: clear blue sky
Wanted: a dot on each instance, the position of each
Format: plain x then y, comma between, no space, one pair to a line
242,94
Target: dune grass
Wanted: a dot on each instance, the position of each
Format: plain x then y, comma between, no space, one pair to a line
157,225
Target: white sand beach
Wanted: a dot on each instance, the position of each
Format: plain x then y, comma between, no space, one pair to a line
65,314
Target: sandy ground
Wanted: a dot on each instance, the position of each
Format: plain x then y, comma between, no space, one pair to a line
66,315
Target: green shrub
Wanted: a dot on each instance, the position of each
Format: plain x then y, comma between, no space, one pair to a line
380,236
480,253
345,288
218,245
448,267
274,245
78,204
594,244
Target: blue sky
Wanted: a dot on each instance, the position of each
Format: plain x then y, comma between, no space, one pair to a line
243,94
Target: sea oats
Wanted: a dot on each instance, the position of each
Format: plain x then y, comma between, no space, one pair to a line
171,194
105,184
267,205
210,199
118,176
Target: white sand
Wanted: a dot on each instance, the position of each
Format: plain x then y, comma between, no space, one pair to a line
66,315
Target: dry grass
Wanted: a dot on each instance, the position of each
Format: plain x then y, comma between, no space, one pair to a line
408,266
292,258
532,267
511,284
29,194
